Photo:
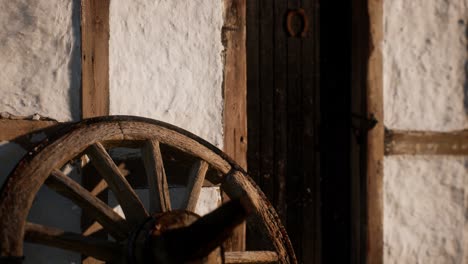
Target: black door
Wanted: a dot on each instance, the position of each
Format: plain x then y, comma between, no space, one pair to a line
299,120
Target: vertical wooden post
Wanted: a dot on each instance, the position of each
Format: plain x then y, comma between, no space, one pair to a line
375,140
235,95
94,85
95,57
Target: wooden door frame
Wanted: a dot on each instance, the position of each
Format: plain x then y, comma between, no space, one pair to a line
367,77
235,96
375,137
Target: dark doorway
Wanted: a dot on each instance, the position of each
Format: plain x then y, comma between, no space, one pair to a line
302,150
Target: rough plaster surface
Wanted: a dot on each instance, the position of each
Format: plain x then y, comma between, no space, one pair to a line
425,205
425,59
40,58
166,63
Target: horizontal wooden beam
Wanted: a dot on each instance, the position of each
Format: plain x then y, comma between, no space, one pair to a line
12,129
426,143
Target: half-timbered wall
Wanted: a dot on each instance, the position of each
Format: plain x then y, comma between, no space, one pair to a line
166,61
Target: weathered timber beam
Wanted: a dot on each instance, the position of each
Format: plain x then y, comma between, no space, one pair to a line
235,96
235,82
95,57
375,140
399,142
13,129
95,99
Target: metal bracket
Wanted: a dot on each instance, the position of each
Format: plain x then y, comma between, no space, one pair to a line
365,124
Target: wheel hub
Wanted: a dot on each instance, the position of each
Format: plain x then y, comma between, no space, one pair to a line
149,236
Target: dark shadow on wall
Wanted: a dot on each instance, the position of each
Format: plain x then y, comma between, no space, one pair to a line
74,94
10,154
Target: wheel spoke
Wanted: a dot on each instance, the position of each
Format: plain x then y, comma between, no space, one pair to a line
250,257
96,208
102,185
134,210
92,229
157,180
195,184
97,248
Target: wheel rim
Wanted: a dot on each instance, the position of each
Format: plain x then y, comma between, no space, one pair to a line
91,137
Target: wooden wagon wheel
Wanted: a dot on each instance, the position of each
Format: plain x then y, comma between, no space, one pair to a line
141,235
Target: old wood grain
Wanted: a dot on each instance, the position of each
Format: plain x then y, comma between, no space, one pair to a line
181,140
157,180
237,185
235,82
398,142
101,249
135,213
235,95
95,99
13,129
375,138
95,57
93,206
250,257
195,184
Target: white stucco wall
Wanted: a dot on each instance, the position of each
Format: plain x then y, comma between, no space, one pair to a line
166,63
424,212
425,64
425,57
40,58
